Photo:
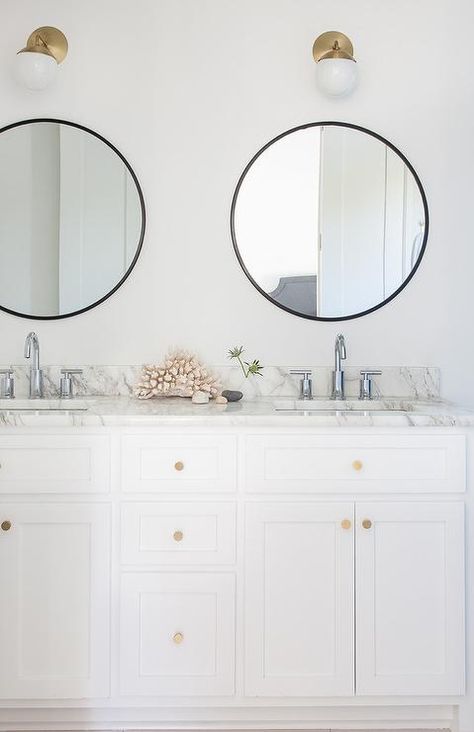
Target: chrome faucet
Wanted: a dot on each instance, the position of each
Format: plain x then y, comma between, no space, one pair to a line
338,373
36,375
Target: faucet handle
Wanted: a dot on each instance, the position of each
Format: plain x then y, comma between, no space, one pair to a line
65,383
306,386
366,382
7,389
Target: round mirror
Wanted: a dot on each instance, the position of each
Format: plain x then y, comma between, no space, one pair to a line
72,219
329,221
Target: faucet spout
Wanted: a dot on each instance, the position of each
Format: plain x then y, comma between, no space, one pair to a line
32,351
340,354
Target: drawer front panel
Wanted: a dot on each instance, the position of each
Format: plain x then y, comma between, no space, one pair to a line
177,634
397,464
178,463
54,464
178,533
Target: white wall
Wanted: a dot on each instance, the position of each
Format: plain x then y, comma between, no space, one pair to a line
189,90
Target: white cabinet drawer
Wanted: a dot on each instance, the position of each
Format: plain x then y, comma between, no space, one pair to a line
177,634
181,463
54,464
365,463
178,533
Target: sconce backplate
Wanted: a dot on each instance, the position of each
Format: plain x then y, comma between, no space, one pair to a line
55,40
325,42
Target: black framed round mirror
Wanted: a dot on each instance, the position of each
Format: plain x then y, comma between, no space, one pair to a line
72,219
329,221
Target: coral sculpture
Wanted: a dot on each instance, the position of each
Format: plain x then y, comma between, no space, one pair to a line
180,375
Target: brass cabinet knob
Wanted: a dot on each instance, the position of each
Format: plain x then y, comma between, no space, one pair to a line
178,536
346,523
6,525
367,524
178,638
357,464
179,465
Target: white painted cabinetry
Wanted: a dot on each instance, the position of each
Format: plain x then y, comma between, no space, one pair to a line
229,576
177,634
407,566
54,601
299,599
410,598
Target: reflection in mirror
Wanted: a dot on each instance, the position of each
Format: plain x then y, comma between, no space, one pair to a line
71,219
329,221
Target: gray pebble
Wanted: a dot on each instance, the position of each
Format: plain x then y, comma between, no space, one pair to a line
232,396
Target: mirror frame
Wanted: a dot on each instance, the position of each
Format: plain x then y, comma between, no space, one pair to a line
78,126
352,127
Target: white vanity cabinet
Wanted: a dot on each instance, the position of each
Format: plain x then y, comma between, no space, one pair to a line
231,575
54,600
410,598
177,634
299,596
406,562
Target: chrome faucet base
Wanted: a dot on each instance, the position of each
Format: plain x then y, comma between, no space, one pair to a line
366,384
306,383
7,384
36,384
65,384
337,385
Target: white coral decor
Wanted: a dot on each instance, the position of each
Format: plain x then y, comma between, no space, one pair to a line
181,375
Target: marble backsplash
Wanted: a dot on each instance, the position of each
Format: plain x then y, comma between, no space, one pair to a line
417,382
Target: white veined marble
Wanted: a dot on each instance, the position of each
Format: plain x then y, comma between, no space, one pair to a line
405,382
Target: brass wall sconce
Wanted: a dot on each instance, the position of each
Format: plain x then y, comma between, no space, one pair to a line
37,63
336,65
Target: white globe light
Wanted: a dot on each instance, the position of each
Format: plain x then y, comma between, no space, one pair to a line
336,76
35,70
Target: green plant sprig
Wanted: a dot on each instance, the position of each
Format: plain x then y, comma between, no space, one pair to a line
253,368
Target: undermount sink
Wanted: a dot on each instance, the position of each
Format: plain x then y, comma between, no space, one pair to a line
43,405
331,406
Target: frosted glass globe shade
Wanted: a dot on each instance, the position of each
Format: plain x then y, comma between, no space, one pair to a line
336,76
35,70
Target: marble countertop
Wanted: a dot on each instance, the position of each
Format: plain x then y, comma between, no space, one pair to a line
125,411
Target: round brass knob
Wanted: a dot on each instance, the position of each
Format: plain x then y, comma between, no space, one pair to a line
357,465
6,525
367,524
346,524
178,638
178,536
179,465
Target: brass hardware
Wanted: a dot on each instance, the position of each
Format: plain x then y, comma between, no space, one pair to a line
178,638
346,524
367,524
6,525
178,536
333,44
179,465
357,464
49,41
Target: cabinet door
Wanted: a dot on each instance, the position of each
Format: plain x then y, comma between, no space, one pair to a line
410,598
299,599
177,634
54,601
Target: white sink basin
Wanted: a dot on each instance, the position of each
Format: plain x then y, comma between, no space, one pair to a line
331,406
44,405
